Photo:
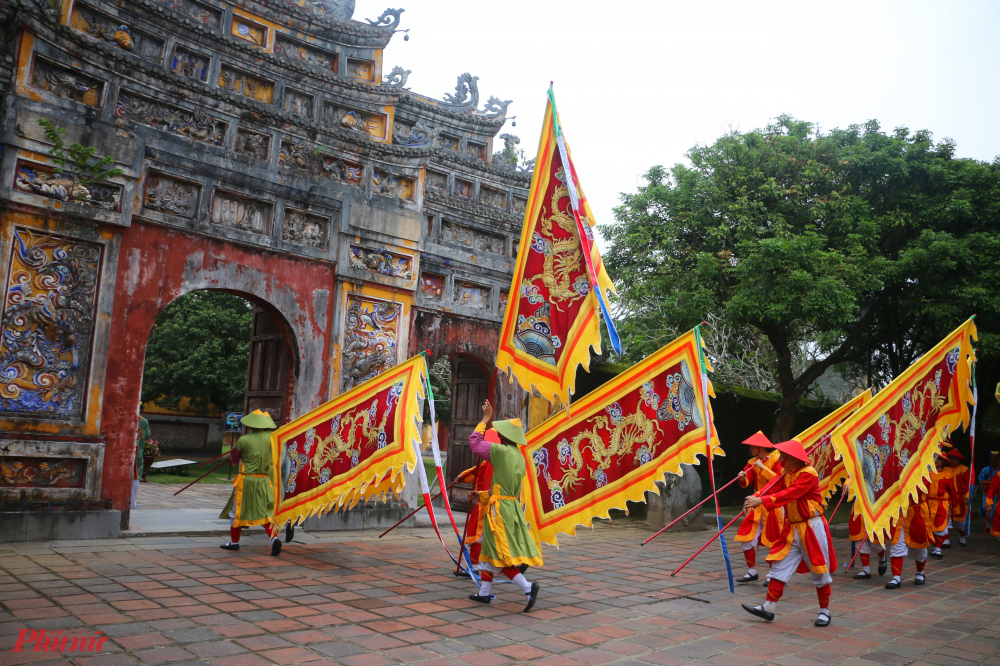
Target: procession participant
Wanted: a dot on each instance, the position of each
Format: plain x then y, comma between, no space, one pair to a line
142,438
804,539
992,494
915,536
960,477
986,475
940,500
760,469
506,542
856,528
252,500
483,479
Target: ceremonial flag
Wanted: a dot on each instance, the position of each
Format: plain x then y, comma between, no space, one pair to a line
888,445
619,441
559,280
353,447
817,443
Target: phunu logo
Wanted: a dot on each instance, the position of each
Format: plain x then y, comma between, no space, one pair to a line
57,641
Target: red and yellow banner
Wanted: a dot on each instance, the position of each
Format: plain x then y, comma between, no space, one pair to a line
818,444
352,448
888,445
618,443
552,318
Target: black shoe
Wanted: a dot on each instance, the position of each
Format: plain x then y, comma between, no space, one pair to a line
747,578
481,598
862,575
893,584
230,546
461,573
289,532
767,582
946,545
883,566
759,612
919,579
275,547
961,544
522,568
532,597
940,556
823,620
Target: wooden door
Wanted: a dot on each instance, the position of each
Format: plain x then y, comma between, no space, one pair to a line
469,388
269,365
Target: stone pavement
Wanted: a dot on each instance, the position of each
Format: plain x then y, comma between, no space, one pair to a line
353,599
159,511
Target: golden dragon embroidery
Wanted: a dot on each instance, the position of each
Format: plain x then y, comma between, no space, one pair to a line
626,432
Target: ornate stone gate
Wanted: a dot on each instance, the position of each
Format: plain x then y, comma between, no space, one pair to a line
263,152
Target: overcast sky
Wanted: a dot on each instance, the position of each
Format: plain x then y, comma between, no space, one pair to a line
640,83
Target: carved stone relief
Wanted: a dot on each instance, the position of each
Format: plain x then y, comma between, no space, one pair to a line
171,195
368,123
249,31
310,56
466,237
470,295
389,184
66,83
476,151
298,104
304,228
382,261
339,10
518,205
406,134
190,64
504,294
432,286
108,30
463,188
370,339
448,141
197,11
492,197
43,180
196,124
24,472
241,83
311,160
254,144
47,323
437,181
238,212
363,70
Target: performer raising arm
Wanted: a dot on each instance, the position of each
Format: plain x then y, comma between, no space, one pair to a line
804,539
507,541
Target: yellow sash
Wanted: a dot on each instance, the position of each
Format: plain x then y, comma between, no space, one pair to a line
496,522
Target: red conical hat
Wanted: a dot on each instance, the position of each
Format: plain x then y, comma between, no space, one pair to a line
492,436
955,453
759,439
794,448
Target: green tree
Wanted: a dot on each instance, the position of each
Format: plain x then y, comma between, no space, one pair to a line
198,349
789,234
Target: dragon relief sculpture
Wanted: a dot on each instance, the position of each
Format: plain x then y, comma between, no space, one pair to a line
626,433
561,256
389,19
397,78
466,92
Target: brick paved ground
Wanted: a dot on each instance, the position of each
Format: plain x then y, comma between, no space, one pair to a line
161,496
353,599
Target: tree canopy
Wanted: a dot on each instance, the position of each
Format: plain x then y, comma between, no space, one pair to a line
824,245
198,349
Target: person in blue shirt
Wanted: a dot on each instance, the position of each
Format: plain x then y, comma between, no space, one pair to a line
985,476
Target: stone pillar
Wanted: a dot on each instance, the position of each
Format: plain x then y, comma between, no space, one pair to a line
677,495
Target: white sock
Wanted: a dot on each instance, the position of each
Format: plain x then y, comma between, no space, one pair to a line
897,578
961,539
866,569
769,606
752,572
484,588
522,583
947,542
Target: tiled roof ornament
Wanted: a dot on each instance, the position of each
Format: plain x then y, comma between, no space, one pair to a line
466,95
388,19
495,107
507,158
397,78
338,10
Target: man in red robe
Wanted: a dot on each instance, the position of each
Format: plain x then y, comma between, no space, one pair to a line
803,543
758,472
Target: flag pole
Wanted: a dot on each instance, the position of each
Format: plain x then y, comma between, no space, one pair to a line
676,520
711,472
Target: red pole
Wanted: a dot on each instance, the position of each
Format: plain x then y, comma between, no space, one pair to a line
843,494
201,477
851,563
419,508
689,511
728,525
